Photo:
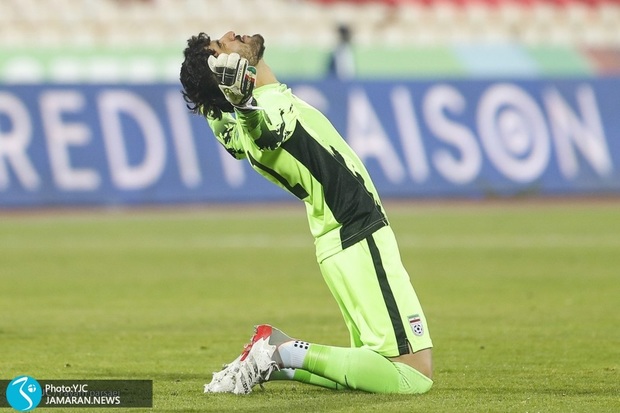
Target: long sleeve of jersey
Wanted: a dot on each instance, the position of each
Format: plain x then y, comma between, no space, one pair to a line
225,132
268,127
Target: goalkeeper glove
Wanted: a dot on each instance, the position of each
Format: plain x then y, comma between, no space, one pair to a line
236,78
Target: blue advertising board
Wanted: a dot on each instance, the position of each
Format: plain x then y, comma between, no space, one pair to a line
138,144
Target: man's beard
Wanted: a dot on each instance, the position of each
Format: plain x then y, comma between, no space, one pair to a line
257,49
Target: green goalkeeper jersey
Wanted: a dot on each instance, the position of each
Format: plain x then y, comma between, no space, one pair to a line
293,145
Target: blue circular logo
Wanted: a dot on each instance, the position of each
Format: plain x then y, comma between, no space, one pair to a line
24,393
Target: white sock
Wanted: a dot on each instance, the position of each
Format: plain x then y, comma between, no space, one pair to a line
293,353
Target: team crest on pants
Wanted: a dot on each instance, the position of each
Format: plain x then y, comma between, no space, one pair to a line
415,322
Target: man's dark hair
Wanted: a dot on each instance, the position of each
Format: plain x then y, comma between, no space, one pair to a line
200,86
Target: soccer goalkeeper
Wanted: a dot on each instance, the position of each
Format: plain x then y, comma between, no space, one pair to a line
294,146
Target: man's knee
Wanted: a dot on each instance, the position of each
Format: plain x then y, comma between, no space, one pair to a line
421,360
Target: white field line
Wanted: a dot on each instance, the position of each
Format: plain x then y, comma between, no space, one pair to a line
511,241
258,241
432,242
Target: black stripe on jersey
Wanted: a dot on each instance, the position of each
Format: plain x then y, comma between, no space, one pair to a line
345,193
388,298
296,189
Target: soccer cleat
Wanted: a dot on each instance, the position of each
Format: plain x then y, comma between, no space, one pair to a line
223,380
254,365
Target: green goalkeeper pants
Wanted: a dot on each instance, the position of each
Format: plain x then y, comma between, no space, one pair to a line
376,297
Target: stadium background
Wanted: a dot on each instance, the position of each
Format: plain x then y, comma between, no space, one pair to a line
139,40
452,98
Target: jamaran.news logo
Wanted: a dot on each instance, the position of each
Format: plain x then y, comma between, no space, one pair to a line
24,393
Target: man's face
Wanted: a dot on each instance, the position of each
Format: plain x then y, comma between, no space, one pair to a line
250,47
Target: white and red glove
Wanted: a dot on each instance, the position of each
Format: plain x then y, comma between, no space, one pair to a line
236,78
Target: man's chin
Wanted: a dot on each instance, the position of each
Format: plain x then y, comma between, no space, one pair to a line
260,41
259,38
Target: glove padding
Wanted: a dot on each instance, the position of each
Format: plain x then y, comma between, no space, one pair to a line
236,78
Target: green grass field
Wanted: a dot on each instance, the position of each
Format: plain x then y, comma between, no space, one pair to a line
523,301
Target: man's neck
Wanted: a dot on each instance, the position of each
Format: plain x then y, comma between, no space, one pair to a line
264,75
